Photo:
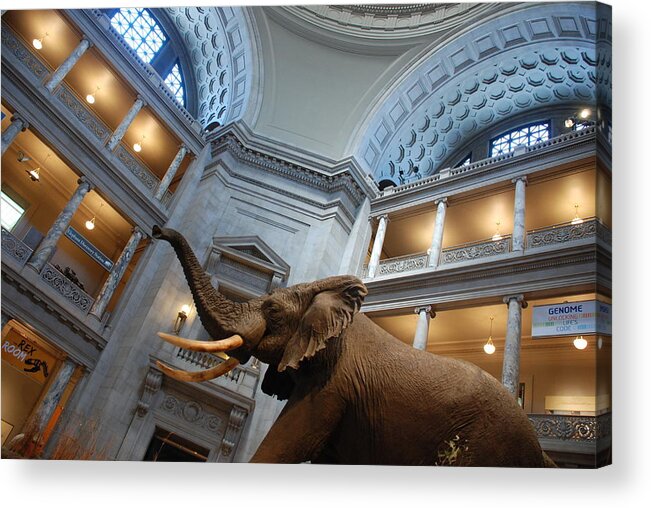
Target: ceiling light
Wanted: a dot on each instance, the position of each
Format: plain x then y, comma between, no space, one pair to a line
34,174
580,342
585,113
137,147
90,98
38,43
90,224
576,220
489,347
569,122
497,235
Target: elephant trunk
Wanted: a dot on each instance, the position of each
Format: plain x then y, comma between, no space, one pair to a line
219,316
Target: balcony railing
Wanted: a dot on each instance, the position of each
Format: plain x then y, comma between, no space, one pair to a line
242,379
14,248
557,234
572,428
66,288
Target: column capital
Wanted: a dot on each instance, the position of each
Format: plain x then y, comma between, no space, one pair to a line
137,230
84,38
142,100
384,216
425,308
519,298
520,179
83,180
17,117
441,200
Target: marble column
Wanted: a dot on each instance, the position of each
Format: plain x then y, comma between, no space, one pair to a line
17,125
511,364
169,174
33,429
46,248
383,220
517,239
117,136
437,237
67,65
422,327
116,274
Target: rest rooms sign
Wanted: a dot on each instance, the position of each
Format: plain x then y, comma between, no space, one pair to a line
572,318
89,248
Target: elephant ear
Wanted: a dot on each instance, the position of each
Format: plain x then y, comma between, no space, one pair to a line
330,312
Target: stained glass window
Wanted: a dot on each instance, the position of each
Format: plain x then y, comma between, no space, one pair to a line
522,136
174,82
140,31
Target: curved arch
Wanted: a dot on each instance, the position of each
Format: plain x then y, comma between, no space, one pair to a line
524,59
221,55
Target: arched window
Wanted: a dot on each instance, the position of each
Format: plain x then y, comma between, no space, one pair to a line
522,136
143,33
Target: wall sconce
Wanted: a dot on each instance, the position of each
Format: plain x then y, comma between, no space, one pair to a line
579,342
180,318
497,235
90,224
38,43
90,98
137,147
489,347
35,174
582,119
576,220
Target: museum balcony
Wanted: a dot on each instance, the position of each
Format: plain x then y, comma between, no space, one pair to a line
465,219
116,125
64,242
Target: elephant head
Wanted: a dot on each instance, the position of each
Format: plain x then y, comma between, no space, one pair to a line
284,328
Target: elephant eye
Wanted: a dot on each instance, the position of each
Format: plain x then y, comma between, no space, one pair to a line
274,312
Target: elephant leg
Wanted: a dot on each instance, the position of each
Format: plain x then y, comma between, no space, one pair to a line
302,429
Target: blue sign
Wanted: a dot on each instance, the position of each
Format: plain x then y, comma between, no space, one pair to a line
89,248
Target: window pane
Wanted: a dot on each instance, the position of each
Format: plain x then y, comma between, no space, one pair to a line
140,31
522,136
174,82
11,212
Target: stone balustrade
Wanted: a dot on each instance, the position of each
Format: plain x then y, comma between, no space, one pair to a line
400,264
14,248
475,250
572,428
66,288
566,232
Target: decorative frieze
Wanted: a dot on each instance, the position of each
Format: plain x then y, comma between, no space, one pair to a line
475,251
81,113
70,291
135,167
31,62
192,412
564,233
403,264
572,428
14,248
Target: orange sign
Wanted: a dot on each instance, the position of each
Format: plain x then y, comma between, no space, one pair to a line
25,356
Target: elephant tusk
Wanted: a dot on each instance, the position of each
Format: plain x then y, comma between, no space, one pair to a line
201,375
204,346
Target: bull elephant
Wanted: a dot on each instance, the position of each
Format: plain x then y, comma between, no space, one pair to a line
356,394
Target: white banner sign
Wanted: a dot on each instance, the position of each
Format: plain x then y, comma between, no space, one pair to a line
572,318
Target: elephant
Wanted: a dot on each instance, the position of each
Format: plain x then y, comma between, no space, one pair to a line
355,394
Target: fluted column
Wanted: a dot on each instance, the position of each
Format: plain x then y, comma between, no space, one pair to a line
17,125
117,136
422,327
437,237
377,245
519,231
47,246
169,174
511,364
116,274
33,430
67,65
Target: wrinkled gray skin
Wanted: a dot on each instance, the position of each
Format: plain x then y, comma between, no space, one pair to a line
356,394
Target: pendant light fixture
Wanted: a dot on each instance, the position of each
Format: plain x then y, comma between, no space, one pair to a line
497,236
38,43
90,224
35,174
489,347
137,147
576,220
90,98
579,342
